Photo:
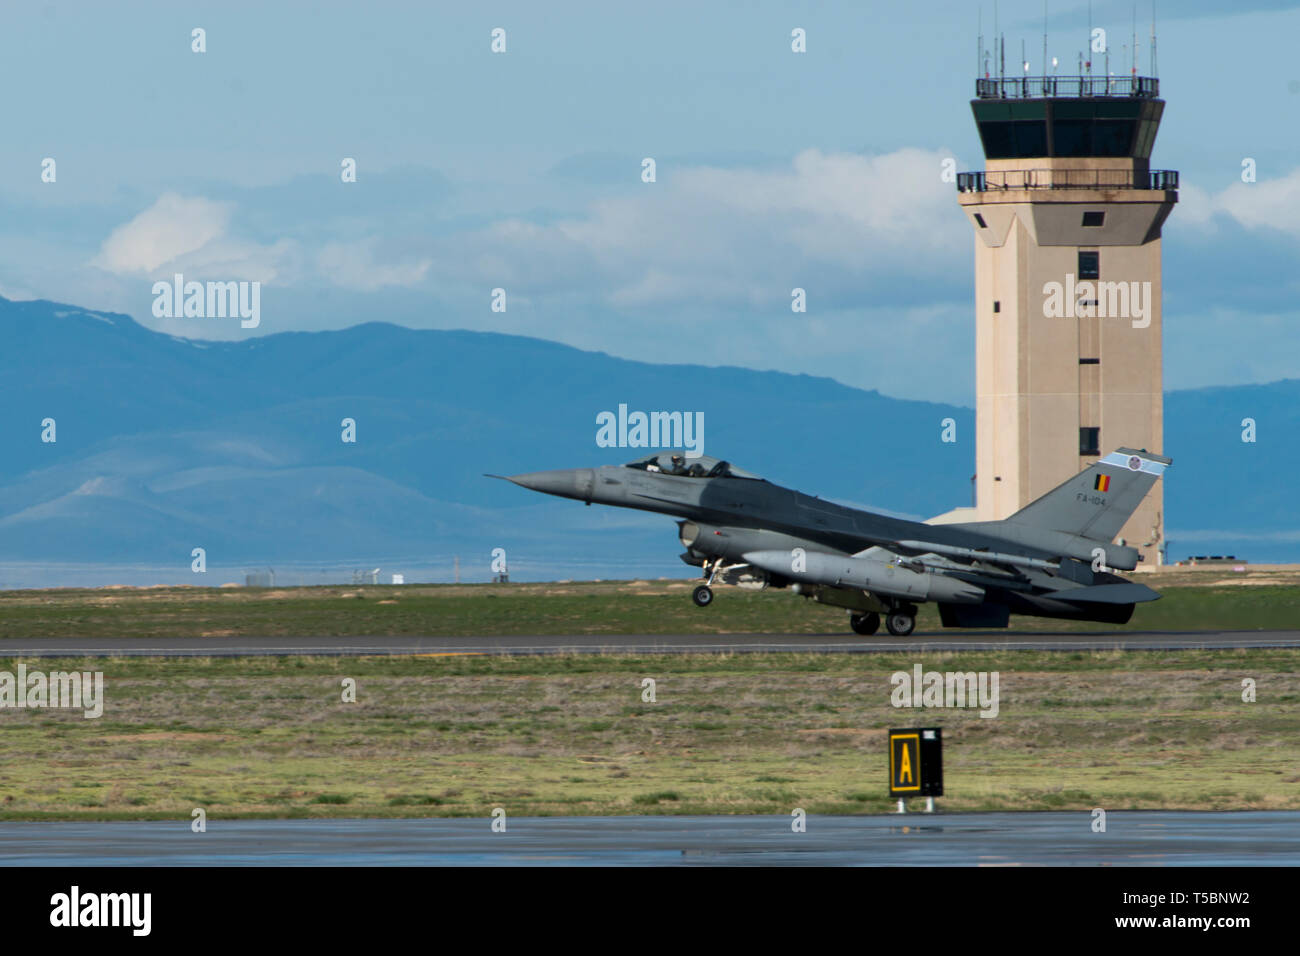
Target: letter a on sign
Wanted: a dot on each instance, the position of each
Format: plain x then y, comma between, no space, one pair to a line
904,762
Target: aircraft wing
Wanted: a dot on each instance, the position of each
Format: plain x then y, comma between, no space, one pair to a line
1129,592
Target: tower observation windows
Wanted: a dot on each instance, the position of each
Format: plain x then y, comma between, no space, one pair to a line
1102,126
1012,130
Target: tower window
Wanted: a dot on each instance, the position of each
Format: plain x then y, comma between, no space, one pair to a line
1094,219
1089,441
1089,361
1089,265
997,306
982,224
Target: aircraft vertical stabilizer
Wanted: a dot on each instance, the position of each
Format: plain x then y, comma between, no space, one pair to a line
1095,503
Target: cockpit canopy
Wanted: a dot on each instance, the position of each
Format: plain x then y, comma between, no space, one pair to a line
676,463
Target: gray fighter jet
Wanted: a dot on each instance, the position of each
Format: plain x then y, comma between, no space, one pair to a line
1052,558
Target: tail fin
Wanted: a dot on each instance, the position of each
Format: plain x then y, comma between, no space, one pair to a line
1096,502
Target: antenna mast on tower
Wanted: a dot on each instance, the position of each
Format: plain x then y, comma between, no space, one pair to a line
1044,37
1134,70
1153,38
1000,44
1088,45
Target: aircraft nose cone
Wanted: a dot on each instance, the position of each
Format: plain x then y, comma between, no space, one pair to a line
565,482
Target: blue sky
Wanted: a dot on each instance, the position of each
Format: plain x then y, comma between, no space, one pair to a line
522,170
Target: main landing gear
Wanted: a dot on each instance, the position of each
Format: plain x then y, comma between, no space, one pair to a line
901,620
703,595
865,624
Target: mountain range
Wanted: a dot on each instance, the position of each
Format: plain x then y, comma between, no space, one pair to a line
164,444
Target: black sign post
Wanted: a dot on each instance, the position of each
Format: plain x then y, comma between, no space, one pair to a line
916,764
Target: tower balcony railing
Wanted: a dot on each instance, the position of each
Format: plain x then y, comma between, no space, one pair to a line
1038,87
978,182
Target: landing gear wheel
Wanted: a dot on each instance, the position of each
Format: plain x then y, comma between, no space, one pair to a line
865,624
702,596
900,623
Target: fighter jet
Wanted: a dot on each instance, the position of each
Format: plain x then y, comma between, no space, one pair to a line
1055,557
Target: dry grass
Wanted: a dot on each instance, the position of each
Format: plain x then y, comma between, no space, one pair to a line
572,735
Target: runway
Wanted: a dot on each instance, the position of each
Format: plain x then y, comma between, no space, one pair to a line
1136,838
640,644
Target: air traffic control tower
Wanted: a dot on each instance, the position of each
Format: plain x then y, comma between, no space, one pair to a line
1067,217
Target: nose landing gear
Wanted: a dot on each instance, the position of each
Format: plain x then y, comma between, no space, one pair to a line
703,595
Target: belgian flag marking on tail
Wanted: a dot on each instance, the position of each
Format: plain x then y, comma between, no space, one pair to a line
1102,483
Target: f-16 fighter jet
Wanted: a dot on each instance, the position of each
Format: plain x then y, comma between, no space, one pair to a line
1053,558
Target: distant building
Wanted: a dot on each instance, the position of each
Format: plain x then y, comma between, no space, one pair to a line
260,579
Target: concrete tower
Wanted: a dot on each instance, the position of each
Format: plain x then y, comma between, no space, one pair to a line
1067,217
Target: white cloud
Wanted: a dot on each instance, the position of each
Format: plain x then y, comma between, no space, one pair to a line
1196,206
16,293
702,236
1270,204
734,236
172,227
1266,204
188,234
353,265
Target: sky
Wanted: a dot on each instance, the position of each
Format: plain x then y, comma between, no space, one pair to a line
522,170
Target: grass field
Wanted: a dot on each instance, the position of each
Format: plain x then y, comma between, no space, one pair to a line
1190,602
572,735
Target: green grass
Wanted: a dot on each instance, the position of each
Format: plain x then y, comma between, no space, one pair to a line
660,607
752,733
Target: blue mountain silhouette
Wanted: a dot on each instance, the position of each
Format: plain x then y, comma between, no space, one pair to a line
166,444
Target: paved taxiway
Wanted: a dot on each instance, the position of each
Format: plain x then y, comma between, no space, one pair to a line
1151,838
638,644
